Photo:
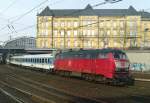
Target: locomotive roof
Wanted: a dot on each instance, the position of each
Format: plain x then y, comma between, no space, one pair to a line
94,51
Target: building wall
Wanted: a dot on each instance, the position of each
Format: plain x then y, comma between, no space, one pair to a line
145,32
89,32
139,60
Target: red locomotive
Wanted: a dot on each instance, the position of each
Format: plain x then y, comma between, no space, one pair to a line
105,65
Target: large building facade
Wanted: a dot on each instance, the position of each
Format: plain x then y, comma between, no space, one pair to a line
92,28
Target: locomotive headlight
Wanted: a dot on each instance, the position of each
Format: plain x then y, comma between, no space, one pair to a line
121,64
127,64
118,64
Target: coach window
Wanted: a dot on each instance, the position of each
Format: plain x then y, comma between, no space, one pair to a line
42,60
35,60
32,60
38,60
45,60
49,61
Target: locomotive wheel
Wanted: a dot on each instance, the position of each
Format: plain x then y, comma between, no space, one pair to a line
67,73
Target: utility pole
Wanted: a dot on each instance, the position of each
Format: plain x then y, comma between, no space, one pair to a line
52,23
145,31
98,31
124,45
64,39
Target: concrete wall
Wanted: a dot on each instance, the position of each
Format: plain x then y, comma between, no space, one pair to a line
140,60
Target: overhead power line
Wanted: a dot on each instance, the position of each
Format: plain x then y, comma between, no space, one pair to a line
24,14
28,27
7,8
21,16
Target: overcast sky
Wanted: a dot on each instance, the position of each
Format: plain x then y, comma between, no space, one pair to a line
9,9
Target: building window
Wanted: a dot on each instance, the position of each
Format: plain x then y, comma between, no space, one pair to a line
61,43
115,32
46,32
115,24
43,33
55,43
101,32
88,32
101,24
115,44
47,24
68,43
89,23
62,24
89,44
42,43
55,24
68,33
69,24
84,23
55,32
93,32
75,32
108,24
84,32
102,44
43,25
75,24
46,43
108,32
121,32
62,33
121,24
75,43
133,33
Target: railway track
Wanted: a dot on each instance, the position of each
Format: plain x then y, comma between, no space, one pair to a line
38,92
142,79
13,98
40,86
22,96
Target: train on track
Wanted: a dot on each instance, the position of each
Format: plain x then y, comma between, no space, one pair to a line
103,65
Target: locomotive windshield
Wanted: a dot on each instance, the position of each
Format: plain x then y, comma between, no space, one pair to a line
120,55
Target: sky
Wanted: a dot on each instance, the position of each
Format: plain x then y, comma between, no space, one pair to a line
11,10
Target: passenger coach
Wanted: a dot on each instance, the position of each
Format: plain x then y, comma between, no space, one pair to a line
41,61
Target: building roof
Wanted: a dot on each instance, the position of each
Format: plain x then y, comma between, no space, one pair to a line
144,14
88,10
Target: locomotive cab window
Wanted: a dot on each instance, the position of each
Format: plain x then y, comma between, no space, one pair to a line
102,55
118,55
